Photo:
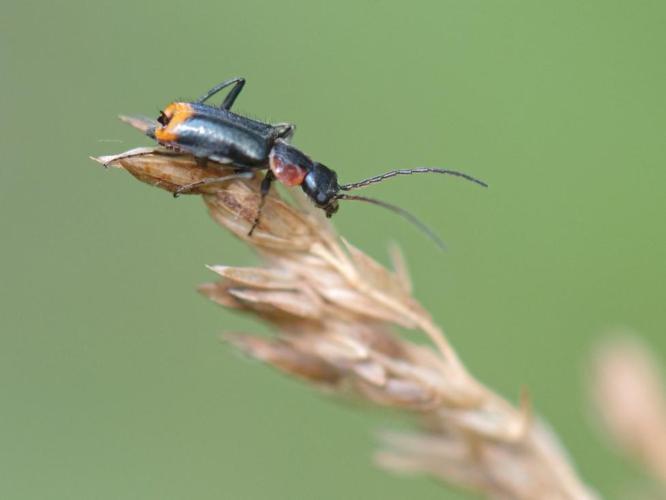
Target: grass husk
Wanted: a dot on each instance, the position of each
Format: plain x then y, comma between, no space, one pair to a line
333,309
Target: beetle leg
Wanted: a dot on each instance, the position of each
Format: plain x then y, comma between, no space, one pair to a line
246,174
265,188
231,96
285,130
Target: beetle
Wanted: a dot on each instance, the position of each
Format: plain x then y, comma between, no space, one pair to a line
215,133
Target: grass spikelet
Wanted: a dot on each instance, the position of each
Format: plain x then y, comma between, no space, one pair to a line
332,309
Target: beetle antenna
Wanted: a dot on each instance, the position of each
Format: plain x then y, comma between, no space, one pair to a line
420,170
400,211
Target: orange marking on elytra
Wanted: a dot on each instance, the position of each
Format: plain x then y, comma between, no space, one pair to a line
176,113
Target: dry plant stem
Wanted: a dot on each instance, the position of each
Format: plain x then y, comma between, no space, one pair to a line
333,307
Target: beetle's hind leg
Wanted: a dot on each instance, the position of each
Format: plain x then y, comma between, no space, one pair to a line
240,174
231,96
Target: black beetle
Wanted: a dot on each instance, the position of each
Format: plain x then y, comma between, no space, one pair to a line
216,133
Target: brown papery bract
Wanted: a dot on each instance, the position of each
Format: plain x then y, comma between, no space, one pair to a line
332,309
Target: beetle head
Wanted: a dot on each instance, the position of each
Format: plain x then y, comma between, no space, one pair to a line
321,186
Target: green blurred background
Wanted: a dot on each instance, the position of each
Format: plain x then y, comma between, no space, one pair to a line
114,383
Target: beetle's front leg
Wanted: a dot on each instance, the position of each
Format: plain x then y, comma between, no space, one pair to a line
265,188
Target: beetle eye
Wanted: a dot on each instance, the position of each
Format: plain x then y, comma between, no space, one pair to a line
163,119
